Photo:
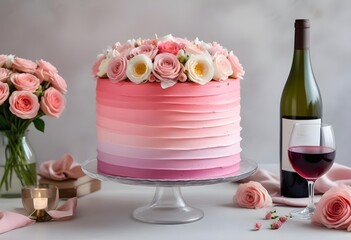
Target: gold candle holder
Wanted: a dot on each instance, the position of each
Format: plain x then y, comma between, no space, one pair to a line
38,200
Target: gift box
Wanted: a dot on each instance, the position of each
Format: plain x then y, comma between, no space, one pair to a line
74,187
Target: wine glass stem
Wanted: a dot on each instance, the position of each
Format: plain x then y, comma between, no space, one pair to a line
311,205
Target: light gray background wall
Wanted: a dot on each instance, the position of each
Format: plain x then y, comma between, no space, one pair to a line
70,33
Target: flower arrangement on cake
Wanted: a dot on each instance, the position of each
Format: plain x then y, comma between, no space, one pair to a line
28,91
167,60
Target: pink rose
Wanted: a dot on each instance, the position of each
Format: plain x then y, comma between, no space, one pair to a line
183,77
194,49
166,67
168,47
216,48
24,65
97,64
25,81
3,59
44,70
149,50
152,78
222,67
124,49
4,92
4,74
52,102
334,208
58,82
116,69
24,104
238,71
252,195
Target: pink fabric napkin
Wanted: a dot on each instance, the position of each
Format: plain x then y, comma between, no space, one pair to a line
11,220
336,175
61,169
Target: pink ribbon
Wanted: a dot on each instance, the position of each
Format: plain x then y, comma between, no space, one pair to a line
61,169
11,220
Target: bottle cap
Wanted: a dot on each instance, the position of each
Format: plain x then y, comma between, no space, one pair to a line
302,23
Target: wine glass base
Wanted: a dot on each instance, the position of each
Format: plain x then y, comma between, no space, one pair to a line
302,214
168,207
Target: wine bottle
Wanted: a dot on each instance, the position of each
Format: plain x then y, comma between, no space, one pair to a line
300,102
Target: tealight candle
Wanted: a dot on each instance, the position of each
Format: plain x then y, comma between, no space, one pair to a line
37,200
40,202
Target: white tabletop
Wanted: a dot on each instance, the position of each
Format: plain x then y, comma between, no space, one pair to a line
106,214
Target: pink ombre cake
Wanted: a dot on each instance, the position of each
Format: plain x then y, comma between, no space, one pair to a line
175,118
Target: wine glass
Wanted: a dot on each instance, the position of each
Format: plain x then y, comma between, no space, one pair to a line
311,153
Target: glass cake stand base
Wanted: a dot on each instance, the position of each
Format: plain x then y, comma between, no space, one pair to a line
168,205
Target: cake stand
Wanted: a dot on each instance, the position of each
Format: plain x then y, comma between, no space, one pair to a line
168,205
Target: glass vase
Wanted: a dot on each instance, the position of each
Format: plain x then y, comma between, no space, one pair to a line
17,164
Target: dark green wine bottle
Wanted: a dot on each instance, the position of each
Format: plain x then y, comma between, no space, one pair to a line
300,102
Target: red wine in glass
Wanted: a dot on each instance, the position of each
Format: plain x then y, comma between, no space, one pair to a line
311,162
311,153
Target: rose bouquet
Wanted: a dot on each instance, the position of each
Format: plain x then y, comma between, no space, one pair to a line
28,91
167,60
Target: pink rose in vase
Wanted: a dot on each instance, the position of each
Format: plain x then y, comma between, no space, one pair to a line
116,68
24,65
58,82
52,102
334,208
3,59
44,70
166,67
25,81
4,92
4,74
24,104
252,195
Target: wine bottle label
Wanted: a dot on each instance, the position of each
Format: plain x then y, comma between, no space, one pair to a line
308,138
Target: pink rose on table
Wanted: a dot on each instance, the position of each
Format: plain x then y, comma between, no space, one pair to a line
25,81
238,70
44,70
168,47
58,82
116,69
24,65
4,92
334,208
24,104
4,74
149,50
222,68
52,102
166,67
252,195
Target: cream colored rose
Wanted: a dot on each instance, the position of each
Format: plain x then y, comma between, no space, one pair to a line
199,69
139,68
222,67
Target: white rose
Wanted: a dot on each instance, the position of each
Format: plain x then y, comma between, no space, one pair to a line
168,37
103,67
139,68
200,69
